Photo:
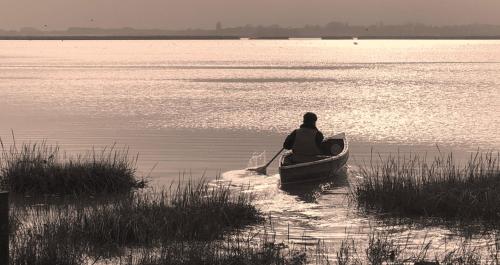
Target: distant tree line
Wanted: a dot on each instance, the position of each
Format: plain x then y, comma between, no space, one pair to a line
333,29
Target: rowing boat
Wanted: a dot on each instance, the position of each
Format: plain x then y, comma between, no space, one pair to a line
335,154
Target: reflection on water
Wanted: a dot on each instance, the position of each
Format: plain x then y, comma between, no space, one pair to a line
412,92
204,107
311,192
320,210
307,213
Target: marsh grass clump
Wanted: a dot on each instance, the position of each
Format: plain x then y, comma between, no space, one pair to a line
44,245
41,169
384,248
237,250
191,214
412,186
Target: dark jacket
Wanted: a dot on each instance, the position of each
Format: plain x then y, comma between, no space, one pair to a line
290,139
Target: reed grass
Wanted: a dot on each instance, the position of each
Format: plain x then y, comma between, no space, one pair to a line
379,248
384,248
41,169
414,186
191,213
48,240
45,245
240,249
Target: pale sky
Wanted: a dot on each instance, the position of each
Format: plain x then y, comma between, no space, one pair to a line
181,14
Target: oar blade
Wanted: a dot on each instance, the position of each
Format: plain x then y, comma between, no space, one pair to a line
259,170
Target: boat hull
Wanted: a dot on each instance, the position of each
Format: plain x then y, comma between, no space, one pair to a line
315,171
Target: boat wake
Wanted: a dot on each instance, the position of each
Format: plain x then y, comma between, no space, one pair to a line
319,211
307,214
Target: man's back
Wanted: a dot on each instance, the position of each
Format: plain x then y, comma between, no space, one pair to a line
305,142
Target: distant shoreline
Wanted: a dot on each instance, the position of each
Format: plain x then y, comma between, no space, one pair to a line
117,37
173,37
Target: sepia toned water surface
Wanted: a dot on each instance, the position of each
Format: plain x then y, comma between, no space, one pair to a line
198,108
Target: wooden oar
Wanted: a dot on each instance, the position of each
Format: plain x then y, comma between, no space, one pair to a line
262,170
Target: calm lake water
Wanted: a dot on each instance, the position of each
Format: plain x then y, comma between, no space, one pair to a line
203,107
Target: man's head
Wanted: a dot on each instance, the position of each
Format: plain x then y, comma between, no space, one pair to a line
310,118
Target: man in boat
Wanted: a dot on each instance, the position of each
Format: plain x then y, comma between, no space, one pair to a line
305,142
